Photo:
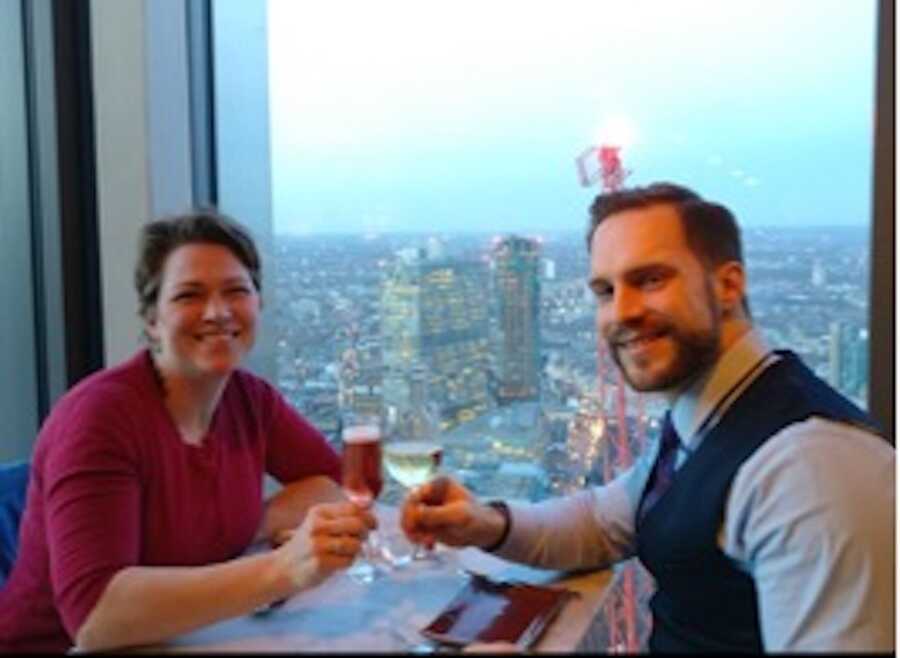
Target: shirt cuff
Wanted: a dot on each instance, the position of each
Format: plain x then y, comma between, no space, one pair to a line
503,508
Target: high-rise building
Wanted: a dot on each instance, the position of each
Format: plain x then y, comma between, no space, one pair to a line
516,265
848,360
434,325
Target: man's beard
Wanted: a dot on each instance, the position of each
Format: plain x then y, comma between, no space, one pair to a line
695,349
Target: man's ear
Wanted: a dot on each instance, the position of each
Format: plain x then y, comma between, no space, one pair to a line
730,287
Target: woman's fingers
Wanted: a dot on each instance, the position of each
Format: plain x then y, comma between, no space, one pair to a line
337,533
336,510
344,526
337,545
341,512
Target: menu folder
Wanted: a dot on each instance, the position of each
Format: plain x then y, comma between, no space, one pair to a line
490,611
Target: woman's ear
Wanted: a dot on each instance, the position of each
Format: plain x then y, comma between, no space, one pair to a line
149,322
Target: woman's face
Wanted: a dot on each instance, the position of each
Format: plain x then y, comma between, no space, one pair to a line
204,320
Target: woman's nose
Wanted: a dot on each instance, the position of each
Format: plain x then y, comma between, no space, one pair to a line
216,307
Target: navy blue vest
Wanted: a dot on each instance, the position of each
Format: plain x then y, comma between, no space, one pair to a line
703,602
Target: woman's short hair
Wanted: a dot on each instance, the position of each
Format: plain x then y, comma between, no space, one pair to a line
161,237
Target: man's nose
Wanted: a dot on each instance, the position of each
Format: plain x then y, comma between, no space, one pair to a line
626,305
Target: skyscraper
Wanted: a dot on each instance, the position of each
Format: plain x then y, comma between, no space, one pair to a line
434,325
516,269
848,359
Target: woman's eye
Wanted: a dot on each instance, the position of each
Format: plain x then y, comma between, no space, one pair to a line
184,296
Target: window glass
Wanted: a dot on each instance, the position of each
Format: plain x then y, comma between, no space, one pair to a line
429,211
432,168
18,355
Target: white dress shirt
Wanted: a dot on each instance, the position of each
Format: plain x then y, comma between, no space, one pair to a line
810,516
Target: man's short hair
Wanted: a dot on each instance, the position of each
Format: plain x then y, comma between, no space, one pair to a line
709,228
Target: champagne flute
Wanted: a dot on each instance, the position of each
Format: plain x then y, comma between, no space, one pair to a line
412,463
361,466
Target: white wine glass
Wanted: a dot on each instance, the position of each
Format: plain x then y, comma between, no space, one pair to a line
413,462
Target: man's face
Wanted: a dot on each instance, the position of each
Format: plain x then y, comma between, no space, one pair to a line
656,307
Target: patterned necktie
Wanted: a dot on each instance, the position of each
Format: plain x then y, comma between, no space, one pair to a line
664,470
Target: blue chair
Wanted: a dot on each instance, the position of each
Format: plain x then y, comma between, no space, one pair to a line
13,483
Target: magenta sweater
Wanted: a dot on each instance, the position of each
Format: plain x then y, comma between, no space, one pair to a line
113,485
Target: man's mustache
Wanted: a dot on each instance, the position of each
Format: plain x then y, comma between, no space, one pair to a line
619,334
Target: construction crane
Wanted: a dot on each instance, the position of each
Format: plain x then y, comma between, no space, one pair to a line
627,622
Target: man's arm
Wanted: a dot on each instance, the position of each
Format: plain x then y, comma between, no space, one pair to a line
811,517
592,528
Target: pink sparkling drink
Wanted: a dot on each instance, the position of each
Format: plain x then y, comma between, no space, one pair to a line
362,463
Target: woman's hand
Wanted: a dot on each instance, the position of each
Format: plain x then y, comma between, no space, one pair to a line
328,540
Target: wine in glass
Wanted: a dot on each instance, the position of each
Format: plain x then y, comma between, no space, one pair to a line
361,466
412,463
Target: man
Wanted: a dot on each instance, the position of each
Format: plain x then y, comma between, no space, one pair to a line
775,531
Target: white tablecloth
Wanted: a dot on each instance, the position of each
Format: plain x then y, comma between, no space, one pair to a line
343,615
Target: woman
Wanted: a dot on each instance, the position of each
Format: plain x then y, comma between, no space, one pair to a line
146,486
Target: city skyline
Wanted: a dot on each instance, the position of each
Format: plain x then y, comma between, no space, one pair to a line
394,330
536,232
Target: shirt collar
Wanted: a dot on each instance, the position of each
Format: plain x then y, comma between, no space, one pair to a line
697,408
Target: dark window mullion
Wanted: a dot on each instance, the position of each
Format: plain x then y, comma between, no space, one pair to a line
77,188
882,367
202,102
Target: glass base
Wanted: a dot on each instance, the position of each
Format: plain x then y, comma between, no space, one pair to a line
426,557
371,564
363,571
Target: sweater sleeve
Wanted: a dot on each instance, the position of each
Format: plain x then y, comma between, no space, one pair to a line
92,495
295,449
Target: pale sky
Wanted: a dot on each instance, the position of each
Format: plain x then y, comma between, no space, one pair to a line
468,115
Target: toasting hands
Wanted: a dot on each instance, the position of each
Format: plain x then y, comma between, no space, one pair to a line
445,511
328,540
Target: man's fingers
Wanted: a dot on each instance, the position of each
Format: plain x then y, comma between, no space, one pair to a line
439,517
435,492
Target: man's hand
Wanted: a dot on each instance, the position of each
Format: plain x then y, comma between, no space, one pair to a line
445,511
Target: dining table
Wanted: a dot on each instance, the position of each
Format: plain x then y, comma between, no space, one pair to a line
387,615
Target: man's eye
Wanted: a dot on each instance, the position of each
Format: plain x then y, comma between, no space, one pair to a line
602,294
653,281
